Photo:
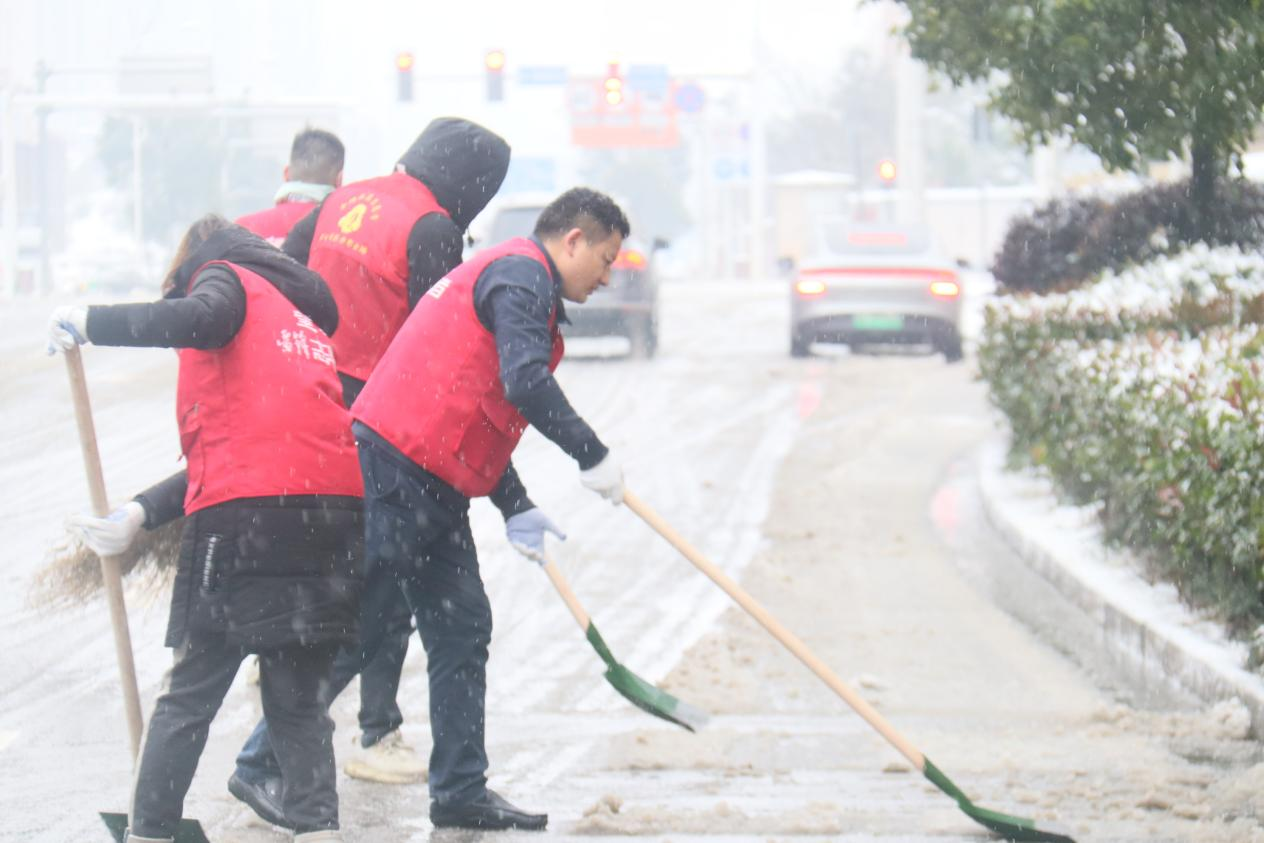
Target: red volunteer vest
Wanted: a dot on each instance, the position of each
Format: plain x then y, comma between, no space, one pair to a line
360,248
272,224
263,415
436,394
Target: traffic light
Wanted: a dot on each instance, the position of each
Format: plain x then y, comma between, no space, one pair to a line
404,77
494,61
614,84
886,171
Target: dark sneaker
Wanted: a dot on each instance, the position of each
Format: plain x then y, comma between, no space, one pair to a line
486,811
263,798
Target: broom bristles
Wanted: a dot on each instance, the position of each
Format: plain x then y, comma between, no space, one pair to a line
71,572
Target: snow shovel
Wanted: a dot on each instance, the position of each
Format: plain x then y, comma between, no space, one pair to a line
1009,827
633,688
190,831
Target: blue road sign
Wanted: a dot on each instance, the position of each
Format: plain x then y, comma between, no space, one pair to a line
690,98
651,79
542,74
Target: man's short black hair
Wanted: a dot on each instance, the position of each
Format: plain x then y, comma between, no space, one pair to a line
596,214
317,156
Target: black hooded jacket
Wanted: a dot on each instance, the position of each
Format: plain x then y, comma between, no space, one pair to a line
463,165
290,566
207,318
213,314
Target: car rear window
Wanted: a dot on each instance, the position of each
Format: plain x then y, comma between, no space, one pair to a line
849,240
513,222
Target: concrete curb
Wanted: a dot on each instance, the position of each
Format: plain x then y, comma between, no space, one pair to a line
1144,629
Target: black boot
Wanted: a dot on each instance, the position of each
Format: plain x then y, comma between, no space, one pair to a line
486,811
263,798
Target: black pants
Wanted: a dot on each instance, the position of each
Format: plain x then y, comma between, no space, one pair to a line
424,548
290,680
379,685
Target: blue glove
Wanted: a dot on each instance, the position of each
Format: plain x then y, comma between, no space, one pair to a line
67,328
526,533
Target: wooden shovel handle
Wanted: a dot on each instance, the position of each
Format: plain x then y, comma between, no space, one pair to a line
111,577
564,589
787,638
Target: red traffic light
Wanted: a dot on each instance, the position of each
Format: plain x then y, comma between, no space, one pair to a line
613,84
404,77
494,62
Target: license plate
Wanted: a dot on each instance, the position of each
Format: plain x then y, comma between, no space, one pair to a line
877,323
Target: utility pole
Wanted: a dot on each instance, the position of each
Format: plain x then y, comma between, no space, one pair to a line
910,93
42,73
758,159
138,181
8,196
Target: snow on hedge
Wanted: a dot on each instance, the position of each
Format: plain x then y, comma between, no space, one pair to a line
1144,392
1156,293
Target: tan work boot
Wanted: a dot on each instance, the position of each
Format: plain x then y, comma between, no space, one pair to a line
389,761
329,835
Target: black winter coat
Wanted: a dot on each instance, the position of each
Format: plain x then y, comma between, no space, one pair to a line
264,572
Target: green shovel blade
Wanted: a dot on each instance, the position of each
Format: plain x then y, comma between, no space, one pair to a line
642,694
1006,825
189,831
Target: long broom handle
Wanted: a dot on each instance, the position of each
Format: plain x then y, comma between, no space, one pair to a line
568,596
787,638
110,571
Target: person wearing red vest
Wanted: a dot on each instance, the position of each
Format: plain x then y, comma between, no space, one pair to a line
271,554
381,244
314,171
437,424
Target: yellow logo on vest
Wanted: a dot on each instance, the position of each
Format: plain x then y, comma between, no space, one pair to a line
356,210
353,219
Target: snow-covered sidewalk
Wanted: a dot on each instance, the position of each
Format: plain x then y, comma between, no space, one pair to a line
1143,625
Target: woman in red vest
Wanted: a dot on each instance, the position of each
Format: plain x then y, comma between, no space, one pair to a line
270,561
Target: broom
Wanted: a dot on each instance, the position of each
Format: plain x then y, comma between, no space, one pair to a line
70,574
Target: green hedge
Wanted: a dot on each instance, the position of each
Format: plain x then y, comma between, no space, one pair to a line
1154,412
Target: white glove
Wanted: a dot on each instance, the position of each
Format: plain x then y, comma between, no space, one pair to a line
526,532
67,328
113,534
605,478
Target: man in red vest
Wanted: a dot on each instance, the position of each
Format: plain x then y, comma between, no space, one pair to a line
436,425
314,171
380,244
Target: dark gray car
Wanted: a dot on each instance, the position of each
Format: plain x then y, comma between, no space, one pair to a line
628,307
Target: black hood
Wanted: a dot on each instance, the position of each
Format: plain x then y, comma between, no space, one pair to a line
462,163
305,289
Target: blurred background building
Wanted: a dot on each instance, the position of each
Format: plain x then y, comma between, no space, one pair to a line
725,131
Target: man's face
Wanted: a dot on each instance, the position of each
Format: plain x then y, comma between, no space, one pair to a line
585,266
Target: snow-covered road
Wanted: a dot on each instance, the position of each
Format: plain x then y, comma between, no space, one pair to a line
832,487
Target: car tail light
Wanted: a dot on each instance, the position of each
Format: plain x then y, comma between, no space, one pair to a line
809,287
630,259
945,287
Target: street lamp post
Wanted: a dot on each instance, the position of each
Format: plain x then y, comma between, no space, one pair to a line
42,73
8,196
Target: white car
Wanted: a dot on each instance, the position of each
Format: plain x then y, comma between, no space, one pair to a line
869,285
